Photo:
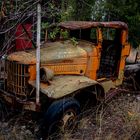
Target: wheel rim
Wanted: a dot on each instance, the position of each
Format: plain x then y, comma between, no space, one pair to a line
68,120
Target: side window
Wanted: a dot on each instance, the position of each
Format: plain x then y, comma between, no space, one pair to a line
75,33
85,34
109,33
93,35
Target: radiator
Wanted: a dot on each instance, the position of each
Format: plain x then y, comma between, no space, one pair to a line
17,78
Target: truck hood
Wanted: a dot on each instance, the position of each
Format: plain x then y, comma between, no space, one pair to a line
53,52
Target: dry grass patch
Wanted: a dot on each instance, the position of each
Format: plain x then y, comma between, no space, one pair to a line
115,120
118,119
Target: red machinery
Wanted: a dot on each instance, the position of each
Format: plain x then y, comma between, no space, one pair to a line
23,37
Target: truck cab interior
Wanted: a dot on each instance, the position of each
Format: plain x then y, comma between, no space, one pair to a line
110,51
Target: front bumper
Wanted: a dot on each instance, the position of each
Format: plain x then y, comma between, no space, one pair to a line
18,103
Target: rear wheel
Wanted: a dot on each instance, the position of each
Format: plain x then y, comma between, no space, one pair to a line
61,116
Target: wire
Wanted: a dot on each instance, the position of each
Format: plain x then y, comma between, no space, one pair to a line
2,32
26,13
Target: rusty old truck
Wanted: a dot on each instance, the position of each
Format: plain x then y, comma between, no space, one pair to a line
80,68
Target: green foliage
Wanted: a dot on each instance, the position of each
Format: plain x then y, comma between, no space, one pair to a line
74,41
93,34
101,10
97,10
53,34
83,9
120,10
127,11
44,25
64,34
53,11
77,9
67,10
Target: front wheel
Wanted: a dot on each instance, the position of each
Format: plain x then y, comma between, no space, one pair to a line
61,116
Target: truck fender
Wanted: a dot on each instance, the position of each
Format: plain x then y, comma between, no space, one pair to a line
65,85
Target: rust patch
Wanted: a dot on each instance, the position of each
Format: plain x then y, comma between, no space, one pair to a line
73,25
22,57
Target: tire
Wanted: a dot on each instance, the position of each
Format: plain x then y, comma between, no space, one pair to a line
61,116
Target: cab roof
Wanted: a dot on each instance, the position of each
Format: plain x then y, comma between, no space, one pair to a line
73,25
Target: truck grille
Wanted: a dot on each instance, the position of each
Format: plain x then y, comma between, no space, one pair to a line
17,78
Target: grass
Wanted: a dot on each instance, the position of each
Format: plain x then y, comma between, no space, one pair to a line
118,119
